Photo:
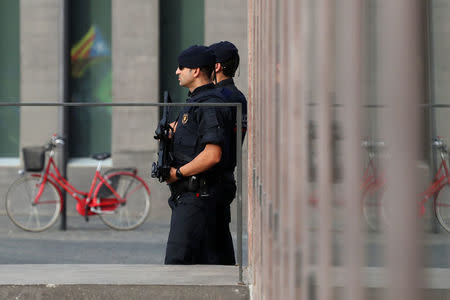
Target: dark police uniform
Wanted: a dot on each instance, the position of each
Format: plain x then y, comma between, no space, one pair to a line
194,199
234,95
225,241
225,51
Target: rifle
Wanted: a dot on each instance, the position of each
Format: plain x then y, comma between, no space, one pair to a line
163,133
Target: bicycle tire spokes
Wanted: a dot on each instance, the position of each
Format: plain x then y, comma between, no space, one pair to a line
29,211
442,207
133,205
129,194
374,208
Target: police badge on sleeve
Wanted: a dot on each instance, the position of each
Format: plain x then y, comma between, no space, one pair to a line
185,118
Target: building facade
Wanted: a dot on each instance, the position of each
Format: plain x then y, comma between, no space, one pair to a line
117,51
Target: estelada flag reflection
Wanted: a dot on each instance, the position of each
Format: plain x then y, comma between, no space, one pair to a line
89,50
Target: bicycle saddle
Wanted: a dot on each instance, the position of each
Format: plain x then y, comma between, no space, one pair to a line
101,156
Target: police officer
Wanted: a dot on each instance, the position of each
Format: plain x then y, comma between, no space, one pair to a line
199,162
227,62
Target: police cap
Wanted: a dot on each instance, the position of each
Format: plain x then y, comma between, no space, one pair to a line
224,51
196,57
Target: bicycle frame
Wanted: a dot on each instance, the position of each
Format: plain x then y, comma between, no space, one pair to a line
371,180
85,199
441,179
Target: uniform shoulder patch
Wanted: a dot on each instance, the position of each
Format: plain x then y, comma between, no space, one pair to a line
185,118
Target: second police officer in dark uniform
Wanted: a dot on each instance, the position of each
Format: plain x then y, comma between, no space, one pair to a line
227,62
200,157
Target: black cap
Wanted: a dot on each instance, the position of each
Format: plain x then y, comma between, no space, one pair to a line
224,51
196,57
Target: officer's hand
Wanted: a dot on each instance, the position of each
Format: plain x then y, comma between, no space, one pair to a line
172,125
173,176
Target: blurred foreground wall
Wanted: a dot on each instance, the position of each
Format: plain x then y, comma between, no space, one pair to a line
341,121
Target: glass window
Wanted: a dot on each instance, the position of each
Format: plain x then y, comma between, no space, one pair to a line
9,77
182,25
440,65
91,77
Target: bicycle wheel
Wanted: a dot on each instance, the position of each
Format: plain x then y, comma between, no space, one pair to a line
374,209
442,207
22,209
131,213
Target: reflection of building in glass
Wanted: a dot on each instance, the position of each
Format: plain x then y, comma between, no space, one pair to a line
90,81
90,50
9,77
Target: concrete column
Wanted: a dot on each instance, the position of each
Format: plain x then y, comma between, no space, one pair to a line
349,90
135,64
40,56
227,21
401,77
135,68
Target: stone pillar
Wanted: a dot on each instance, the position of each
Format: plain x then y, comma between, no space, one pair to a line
40,56
135,64
227,21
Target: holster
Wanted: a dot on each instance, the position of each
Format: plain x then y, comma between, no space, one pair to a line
199,183
189,184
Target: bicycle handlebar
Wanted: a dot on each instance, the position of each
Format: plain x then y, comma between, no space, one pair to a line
372,145
55,141
440,144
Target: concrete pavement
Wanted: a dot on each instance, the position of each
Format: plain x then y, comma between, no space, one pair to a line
91,261
95,281
86,243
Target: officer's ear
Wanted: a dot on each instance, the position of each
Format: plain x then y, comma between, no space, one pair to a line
218,67
196,72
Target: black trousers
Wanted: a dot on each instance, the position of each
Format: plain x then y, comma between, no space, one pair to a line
225,250
185,244
199,227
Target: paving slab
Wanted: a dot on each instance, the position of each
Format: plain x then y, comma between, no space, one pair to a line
118,274
115,281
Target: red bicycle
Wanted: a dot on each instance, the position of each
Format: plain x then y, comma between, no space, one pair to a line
374,209
373,186
34,201
439,188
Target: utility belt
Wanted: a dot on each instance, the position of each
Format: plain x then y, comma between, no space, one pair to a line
199,183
